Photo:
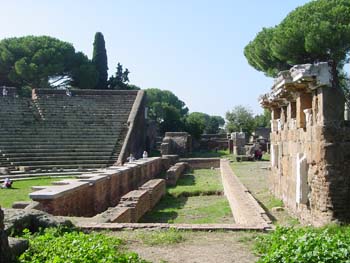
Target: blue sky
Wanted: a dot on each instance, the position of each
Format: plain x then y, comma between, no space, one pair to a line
192,47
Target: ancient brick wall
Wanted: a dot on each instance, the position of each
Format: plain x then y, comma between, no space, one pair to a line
94,193
202,163
156,189
139,201
174,173
210,142
310,148
179,143
134,204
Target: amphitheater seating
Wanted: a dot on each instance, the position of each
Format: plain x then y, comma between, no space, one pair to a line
55,131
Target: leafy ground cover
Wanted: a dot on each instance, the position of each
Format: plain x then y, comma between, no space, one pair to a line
61,246
197,199
312,245
21,189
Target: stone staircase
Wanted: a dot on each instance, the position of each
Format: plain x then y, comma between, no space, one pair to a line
54,131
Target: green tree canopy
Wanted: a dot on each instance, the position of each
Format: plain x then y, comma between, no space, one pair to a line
317,31
120,79
263,120
41,62
196,122
166,109
99,58
240,119
213,125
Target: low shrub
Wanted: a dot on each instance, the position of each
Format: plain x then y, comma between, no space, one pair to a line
328,245
56,245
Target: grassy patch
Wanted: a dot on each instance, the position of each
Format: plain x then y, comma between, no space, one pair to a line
194,200
191,210
167,237
199,182
254,176
21,189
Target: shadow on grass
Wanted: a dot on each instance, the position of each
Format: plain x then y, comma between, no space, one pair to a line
269,215
186,179
12,188
166,210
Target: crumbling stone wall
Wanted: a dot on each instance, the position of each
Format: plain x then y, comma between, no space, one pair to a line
179,143
309,145
202,163
210,142
134,204
239,141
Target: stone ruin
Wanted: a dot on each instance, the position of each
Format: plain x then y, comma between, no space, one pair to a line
309,144
176,143
213,142
238,143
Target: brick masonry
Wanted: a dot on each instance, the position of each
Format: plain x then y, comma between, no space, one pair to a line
174,173
134,204
310,145
96,192
202,163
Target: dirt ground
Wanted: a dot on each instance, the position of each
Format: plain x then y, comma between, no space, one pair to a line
197,247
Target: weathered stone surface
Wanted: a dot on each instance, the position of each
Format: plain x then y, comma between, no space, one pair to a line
202,163
18,219
134,204
5,255
174,173
179,143
92,195
309,160
17,246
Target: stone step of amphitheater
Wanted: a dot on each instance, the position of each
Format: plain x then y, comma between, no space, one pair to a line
51,130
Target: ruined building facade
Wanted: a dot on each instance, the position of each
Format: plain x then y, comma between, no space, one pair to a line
310,144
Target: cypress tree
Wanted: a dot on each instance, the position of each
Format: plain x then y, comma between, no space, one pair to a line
99,58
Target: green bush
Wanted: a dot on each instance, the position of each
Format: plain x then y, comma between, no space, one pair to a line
61,246
327,245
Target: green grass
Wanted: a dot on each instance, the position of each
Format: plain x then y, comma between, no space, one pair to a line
254,176
196,199
192,210
198,182
20,190
161,237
